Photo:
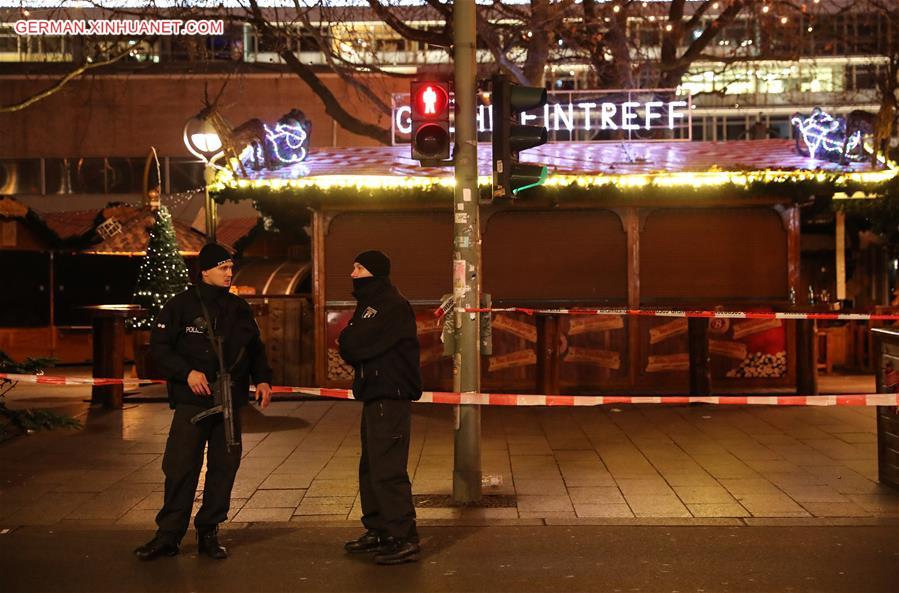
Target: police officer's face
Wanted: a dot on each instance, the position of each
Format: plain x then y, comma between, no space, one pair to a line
219,276
359,271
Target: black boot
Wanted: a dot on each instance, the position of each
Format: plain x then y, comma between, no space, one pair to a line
370,541
208,543
155,548
397,551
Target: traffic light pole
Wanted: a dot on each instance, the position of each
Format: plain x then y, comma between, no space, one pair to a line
466,259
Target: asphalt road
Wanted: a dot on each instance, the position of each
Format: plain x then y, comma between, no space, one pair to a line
494,559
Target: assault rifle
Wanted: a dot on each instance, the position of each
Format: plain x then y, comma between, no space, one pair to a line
221,393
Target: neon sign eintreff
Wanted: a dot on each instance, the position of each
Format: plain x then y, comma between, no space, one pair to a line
581,115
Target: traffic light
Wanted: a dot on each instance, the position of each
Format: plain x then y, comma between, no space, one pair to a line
430,121
511,137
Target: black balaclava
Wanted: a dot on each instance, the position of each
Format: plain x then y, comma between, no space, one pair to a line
375,262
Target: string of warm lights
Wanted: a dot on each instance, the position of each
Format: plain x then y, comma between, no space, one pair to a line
695,179
171,200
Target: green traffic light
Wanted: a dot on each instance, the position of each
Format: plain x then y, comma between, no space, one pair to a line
510,137
529,175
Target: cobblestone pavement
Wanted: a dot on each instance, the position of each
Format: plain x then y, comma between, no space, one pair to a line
627,464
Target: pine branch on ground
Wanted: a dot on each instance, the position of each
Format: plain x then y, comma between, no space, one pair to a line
14,422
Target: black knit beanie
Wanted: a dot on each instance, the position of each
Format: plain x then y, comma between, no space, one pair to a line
212,256
375,262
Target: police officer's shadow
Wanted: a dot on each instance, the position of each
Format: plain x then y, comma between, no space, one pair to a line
254,419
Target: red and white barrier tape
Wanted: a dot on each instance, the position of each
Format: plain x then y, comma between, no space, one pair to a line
59,380
516,399
679,313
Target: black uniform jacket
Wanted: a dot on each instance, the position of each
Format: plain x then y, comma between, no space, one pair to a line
179,343
381,342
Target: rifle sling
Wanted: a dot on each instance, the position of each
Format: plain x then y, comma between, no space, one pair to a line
210,332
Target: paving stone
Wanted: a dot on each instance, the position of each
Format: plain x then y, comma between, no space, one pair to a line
772,506
858,437
595,495
647,505
540,487
804,494
331,505
489,513
573,478
764,466
154,500
704,495
602,510
142,517
690,479
717,510
109,505
263,515
439,513
543,503
726,467
835,509
49,508
432,486
547,515
880,504
322,487
281,481
650,486
275,499
334,518
750,486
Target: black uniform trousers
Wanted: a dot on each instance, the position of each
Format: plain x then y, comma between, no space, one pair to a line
384,485
182,463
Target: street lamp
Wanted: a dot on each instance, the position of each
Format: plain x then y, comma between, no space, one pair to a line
202,140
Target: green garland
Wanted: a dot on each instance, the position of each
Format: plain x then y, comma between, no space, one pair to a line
284,204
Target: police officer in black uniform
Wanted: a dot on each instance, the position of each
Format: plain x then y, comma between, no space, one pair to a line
381,342
183,351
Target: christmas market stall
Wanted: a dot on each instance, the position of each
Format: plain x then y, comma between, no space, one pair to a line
86,258
662,225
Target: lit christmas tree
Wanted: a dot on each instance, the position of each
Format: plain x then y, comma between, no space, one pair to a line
163,272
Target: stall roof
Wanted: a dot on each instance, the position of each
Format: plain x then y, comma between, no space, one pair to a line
70,224
577,159
130,236
231,230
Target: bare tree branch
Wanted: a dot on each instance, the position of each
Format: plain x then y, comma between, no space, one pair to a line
444,38
488,34
673,67
62,82
344,75
332,106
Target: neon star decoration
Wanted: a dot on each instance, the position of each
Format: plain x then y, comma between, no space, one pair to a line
825,136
